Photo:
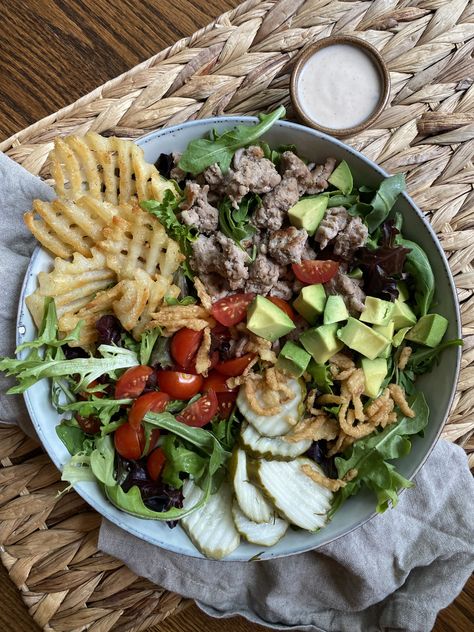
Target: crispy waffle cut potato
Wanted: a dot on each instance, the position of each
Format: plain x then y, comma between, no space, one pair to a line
157,290
136,240
109,169
72,284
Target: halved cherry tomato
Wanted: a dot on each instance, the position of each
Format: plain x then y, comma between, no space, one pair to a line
231,309
184,346
309,271
154,401
217,382
155,463
226,403
179,385
236,366
200,412
132,382
129,442
89,425
283,305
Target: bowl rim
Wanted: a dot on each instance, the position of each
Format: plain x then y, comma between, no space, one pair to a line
83,488
326,42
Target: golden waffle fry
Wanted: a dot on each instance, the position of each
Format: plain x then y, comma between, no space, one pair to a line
134,296
158,289
136,240
72,284
65,226
109,169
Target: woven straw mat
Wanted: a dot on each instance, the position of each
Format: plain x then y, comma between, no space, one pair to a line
241,64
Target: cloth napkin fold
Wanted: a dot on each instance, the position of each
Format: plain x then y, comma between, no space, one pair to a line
393,573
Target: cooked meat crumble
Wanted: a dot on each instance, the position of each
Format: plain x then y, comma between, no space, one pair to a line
287,245
197,211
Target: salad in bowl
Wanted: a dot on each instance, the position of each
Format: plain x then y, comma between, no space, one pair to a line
233,335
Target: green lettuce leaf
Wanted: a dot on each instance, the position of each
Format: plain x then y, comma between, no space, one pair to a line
102,460
384,199
180,459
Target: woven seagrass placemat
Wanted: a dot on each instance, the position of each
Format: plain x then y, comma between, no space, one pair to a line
241,63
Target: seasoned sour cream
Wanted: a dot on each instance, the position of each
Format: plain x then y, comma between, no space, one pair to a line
339,86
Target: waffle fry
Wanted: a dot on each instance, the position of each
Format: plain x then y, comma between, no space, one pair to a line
134,294
72,284
108,169
158,289
136,240
65,227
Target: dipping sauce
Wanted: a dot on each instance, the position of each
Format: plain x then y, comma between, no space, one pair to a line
339,86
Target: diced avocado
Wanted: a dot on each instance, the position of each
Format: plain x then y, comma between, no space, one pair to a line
362,338
321,342
321,376
429,330
335,310
374,373
341,178
402,315
399,337
376,311
310,302
356,273
387,332
308,213
293,359
267,320
403,294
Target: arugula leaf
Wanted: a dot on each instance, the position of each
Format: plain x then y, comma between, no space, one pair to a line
418,266
179,459
48,333
186,300
165,212
348,201
369,455
147,343
30,371
384,199
202,153
235,222
102,408
225,430
423,360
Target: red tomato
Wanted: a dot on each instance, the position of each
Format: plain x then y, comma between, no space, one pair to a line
232,309
226,403
184,346
155,463
217,382
309,271
179,385
236,366
200,412
153,401
283,305
129,442
132,382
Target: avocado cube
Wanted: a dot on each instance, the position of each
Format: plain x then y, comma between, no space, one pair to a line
335,310
293,359
402,315
308,213
374,374
362,338
429,330
386,331
321,342
310,302
376,311
267,320
399,337
341,178
403,294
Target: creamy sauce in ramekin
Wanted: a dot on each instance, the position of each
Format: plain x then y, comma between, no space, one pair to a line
339,86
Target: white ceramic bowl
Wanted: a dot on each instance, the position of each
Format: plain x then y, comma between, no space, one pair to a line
438,386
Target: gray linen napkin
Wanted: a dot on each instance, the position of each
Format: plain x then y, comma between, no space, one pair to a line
395,572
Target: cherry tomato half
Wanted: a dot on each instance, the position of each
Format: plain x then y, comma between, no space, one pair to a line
179,385
132,382
226,403
309,271
200,412
184,346
236,366
129,442
154,401
283,305
155,463
217,382
232,309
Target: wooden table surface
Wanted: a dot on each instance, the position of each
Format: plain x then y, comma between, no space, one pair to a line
53,52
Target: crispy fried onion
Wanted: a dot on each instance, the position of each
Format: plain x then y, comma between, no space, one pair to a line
398,396
203,356
404,357
333,484
171,318
321,426
203,296
266,393
262,347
